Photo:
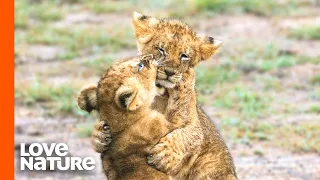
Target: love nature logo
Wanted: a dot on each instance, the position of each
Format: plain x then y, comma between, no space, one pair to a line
41,156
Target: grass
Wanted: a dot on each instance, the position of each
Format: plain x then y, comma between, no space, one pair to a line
264,65
208,78
157,7
269,82
100,64
246,133
47,11
301,138
267,58
21,16
305,33
314,109
44,34
316,94
262,59
315,80
19,38
85,129
222,83
220,6
296,138
260,8
77,41
98,7
54,10
60,98
81,40
44,11
308,59
247,103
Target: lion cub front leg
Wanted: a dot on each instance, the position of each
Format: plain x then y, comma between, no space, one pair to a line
170,154
101,137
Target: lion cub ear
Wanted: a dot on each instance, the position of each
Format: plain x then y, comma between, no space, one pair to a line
143,27
128,99
87,99
208,47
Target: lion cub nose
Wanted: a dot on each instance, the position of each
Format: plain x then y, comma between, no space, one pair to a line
168,73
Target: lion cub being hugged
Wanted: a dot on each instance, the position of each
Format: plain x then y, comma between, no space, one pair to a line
123,98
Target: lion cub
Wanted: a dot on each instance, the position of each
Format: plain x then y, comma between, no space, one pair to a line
195,150
123,98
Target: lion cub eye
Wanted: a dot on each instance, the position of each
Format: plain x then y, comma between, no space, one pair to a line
184,57
161,51
140,66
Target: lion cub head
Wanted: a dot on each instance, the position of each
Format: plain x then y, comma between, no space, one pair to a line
127,86
174,41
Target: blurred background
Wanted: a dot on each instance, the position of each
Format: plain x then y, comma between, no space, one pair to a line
262,89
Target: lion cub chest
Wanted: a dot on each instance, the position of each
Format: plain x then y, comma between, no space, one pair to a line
129,148
138,138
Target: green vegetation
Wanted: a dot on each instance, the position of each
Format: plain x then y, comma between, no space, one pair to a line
246,132
267,58
264,65
100,64
43,11
61,98
314,109
78,40
47,11
247,103
269,82
108,7
220,6
81,40
307,59
85,129
315,79
305,33
260,8
316,94
208,78
296,138
301,138
21,14
263,59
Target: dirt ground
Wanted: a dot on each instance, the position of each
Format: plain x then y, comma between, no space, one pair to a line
288,150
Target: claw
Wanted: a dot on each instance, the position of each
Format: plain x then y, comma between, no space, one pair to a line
101,136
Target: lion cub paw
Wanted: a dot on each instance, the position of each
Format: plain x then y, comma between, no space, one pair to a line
101,137
165,156
160,90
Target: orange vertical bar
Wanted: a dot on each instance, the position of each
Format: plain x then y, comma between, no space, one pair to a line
7,89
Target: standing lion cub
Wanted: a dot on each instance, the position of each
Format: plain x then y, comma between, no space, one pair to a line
195,150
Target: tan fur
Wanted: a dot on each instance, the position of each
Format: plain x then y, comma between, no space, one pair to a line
198,140
175,38
123,99
195,150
